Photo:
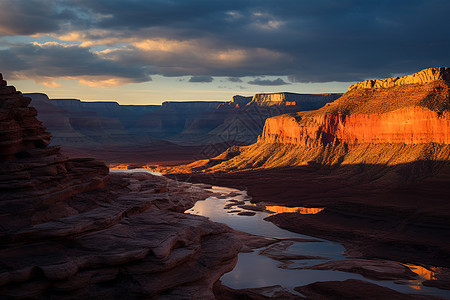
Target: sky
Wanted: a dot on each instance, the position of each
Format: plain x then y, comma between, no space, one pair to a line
150,51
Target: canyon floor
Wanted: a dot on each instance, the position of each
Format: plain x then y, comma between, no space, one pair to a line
70,228
407,223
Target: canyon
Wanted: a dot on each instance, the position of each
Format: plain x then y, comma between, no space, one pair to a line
364,126
174,131
70,229
376,160
368,169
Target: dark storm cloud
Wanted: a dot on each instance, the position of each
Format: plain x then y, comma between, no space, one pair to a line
27,17
309,41
259,81
54,60
201,79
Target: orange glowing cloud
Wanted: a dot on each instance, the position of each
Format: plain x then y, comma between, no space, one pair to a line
102,81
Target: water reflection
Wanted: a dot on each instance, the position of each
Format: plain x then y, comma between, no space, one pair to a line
429,273
119,166
125,169
254,270
274,209
426,273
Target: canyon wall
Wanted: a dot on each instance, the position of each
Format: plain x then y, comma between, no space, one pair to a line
411,125
413,109
36,179
386,121
422,77
126,114
302,101
241,120
72,230
238,121
174,117
77,127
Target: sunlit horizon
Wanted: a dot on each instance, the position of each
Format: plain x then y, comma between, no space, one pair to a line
162,89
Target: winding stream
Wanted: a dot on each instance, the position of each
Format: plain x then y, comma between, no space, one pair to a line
254,270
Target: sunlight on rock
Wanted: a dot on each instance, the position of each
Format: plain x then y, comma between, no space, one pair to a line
301,210
119,166
423,273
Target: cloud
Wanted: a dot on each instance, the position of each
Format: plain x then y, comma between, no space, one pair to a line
259,81
201,79
29,17
234,79
308,41
45,62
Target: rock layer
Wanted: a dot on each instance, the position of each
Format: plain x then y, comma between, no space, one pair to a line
412,125
422,77
304,101
128,241
71,230
364,126
238,121
36,180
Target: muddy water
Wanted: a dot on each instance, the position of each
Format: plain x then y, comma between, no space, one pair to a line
254,270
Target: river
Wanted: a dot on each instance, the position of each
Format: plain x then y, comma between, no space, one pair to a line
254,270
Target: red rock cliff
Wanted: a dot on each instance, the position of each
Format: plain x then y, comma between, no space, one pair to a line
387,121
413,109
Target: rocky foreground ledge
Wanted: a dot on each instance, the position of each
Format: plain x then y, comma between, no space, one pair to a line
71,230
133,243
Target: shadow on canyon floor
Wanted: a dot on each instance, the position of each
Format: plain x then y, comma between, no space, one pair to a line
396,212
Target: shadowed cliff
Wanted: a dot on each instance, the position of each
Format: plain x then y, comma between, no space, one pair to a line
69,229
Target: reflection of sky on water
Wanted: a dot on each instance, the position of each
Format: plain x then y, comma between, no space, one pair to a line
213,208
120,168
253,270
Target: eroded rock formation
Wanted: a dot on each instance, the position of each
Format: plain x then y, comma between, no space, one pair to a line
36,179
408,115
422,77
74,123
302,101
413,109
238,121
71,230
241,120
377,160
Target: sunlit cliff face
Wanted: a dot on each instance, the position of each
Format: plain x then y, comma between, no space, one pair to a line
429,273
426,273
119,166
301,210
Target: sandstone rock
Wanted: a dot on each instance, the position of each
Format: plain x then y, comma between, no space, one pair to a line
422,77
303,101
372,269
246,213
364,126
413,125
70,230
36,180
127,247
252,207
353,289
270,292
